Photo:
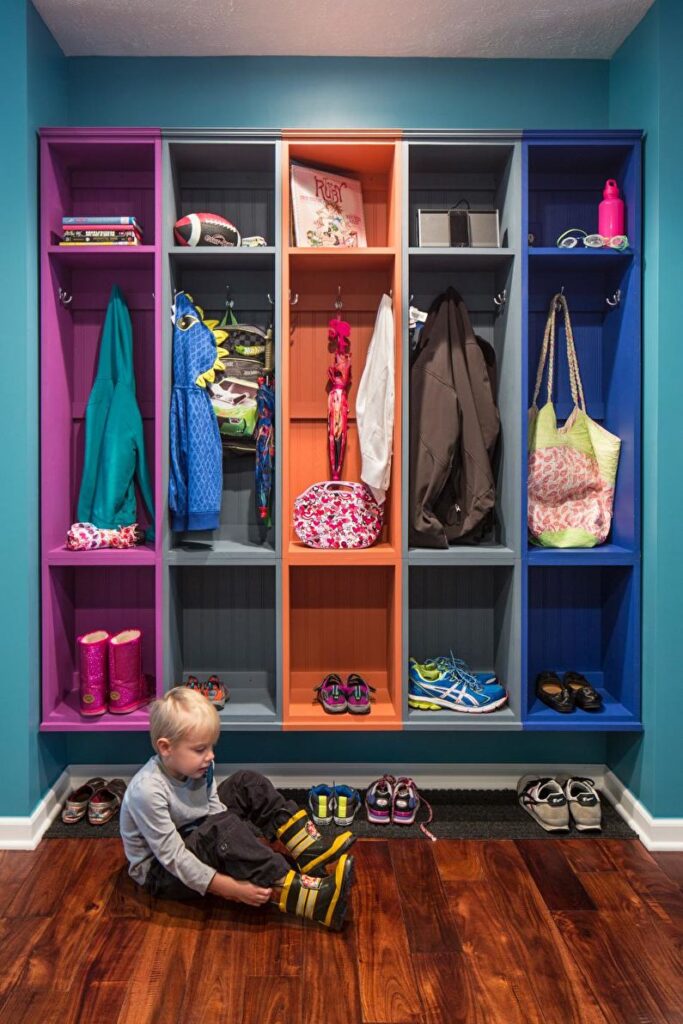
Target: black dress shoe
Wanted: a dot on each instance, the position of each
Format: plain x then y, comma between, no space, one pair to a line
553,692
585,696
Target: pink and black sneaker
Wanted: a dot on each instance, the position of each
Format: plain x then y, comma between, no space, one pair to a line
358,694
332,694
379,800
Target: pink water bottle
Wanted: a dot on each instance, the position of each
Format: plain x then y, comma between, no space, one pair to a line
611,211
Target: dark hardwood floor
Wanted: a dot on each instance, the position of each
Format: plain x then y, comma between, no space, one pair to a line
454,932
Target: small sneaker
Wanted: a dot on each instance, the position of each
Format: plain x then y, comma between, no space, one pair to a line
332,695
193,683
346,804
321,804
545,801
379,800
584,803
214,692
406,802
358,694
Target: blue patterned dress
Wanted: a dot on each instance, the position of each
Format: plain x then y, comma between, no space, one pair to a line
196,472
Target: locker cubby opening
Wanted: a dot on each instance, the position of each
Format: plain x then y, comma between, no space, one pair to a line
343,619
235,180
479,177
247,282
310,354
566,185
68,367
222,621
608,351
473,612
81,600
373,164
95,179
585,619
478,281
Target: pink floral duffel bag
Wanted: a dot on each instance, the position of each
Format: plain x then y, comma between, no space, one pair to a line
337,514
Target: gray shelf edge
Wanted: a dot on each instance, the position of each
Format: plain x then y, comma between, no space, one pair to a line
180,558
465,557
413,725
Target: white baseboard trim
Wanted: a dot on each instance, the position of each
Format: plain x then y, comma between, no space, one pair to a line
656,834
26,833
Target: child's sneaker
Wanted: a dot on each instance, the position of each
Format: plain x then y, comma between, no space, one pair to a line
332,695
544,800
321,804
214,692
358,692
379,800
406,802
346,804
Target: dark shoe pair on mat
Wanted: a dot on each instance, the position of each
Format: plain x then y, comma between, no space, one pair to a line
563,695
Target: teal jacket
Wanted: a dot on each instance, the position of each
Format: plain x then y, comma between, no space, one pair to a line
114,442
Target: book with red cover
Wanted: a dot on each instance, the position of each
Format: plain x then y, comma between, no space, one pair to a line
327,208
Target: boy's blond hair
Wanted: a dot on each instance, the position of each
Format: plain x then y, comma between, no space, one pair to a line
182,711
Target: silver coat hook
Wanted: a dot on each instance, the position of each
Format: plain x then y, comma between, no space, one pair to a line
293,301
64,297
500,299
270,298
615,300
338,304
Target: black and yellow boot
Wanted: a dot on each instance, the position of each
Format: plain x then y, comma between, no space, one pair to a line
311,851
324,900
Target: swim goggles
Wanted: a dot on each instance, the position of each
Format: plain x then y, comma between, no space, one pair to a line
572,236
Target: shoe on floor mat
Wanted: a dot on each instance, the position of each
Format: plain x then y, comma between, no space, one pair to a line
544,800
583,801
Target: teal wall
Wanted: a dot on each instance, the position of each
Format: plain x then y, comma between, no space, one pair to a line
41,87
292,92
646,91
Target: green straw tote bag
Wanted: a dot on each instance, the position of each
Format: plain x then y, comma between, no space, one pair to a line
571,469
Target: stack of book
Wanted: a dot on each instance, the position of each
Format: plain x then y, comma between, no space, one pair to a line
101,231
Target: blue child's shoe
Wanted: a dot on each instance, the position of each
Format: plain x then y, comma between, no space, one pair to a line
321,804
346,804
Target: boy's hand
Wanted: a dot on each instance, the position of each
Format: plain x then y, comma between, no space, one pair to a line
244,892
254,895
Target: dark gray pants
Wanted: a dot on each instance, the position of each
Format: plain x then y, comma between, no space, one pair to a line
226,843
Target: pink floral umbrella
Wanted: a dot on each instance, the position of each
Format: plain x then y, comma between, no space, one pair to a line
337,399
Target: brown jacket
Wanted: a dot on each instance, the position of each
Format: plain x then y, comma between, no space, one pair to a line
454,427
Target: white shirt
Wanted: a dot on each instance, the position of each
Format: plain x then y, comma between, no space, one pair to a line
375,404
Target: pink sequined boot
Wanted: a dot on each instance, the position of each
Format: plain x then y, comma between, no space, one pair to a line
127,685
92,670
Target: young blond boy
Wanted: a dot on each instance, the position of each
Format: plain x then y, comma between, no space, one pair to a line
184,837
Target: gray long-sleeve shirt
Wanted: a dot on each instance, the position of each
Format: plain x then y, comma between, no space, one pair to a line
154,808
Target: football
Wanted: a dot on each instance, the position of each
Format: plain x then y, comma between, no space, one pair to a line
206,229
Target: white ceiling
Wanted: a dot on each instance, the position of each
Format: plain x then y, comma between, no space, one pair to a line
342,28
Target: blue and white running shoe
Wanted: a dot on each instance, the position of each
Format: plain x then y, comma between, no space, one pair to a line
455,667
431,689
